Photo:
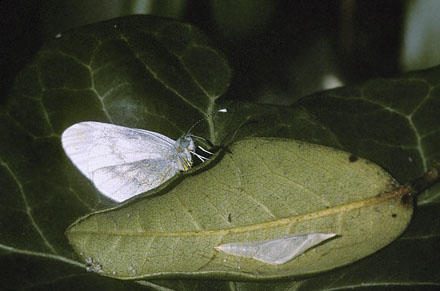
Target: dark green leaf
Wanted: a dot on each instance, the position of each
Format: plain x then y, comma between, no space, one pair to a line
163,75
393,122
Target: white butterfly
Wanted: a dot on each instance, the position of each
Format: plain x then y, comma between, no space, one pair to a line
123,162
276,251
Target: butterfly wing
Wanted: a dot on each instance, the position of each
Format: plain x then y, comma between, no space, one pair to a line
122,182
276,251
120,161
280,251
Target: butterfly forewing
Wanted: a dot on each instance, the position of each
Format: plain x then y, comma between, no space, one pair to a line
121,161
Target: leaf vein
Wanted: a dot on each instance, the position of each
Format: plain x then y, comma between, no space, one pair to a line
27,207
155,76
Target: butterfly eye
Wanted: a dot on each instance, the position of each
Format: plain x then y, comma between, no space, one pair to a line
186,142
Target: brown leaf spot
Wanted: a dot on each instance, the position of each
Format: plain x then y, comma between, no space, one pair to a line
407,199
352,158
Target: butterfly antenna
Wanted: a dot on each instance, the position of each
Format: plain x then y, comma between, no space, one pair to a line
207,116
202,158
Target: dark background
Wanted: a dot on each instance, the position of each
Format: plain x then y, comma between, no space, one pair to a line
279,50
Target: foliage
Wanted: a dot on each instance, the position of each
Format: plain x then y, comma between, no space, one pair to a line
163,75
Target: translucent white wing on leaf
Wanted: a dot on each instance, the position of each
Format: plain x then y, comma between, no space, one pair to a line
276,251
122,161
125,181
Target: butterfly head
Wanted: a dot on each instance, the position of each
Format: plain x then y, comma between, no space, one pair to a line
185,142
185,146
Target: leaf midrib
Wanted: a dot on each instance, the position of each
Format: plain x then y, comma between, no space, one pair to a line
378,199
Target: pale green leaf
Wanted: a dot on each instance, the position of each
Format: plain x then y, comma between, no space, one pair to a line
260,189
